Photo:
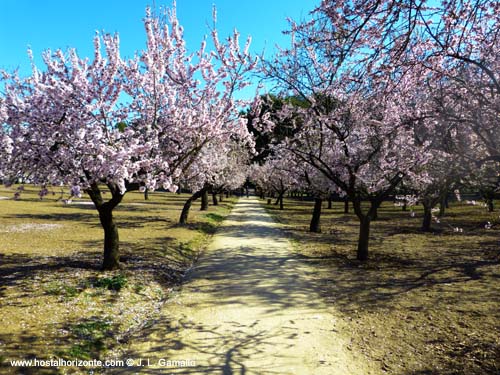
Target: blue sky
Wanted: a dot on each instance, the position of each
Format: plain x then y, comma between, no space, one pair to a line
54,24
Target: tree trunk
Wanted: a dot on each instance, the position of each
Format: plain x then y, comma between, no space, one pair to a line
187,206
215,202
491,206
364,226
442,209
111,259
279,200
315,226
426,223
405,205
146,194
364,237
443,203
221,197
330,203
346,205
204,200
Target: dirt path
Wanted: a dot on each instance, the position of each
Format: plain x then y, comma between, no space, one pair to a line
250,307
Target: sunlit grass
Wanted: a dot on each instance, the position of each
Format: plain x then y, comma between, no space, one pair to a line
54,296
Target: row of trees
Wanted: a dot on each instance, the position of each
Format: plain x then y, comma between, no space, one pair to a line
395,96
165,118
374,98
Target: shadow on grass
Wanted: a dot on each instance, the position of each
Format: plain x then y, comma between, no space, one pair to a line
374,284
21,269
203,227
163,257
75,216
36,345
92,219
83,339
448,279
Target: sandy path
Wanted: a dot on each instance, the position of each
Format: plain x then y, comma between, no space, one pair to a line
250,307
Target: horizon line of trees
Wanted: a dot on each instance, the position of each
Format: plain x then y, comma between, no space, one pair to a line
373,98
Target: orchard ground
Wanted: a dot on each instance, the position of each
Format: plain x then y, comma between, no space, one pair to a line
54,299
425,303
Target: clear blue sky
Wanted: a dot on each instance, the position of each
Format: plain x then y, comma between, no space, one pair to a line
54,24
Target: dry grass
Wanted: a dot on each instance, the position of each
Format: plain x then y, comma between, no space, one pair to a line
55,302
425,303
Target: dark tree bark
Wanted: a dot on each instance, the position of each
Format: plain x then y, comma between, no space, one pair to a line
315,226
187,206
346,205
146,194
491,206
215,202
204,200
277,200
330,203
426,223
111,256
405,205
280,199
364,238
443,203
364,226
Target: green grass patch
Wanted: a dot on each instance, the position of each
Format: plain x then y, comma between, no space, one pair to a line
215,217
56,288
116,282
90,337
91,329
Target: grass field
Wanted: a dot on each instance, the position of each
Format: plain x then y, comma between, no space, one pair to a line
425,303
54,300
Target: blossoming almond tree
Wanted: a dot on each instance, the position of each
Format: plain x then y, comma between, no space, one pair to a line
358,128
461,46
220,166
5,142
276,176
62,122
318,186
68,126
182,101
